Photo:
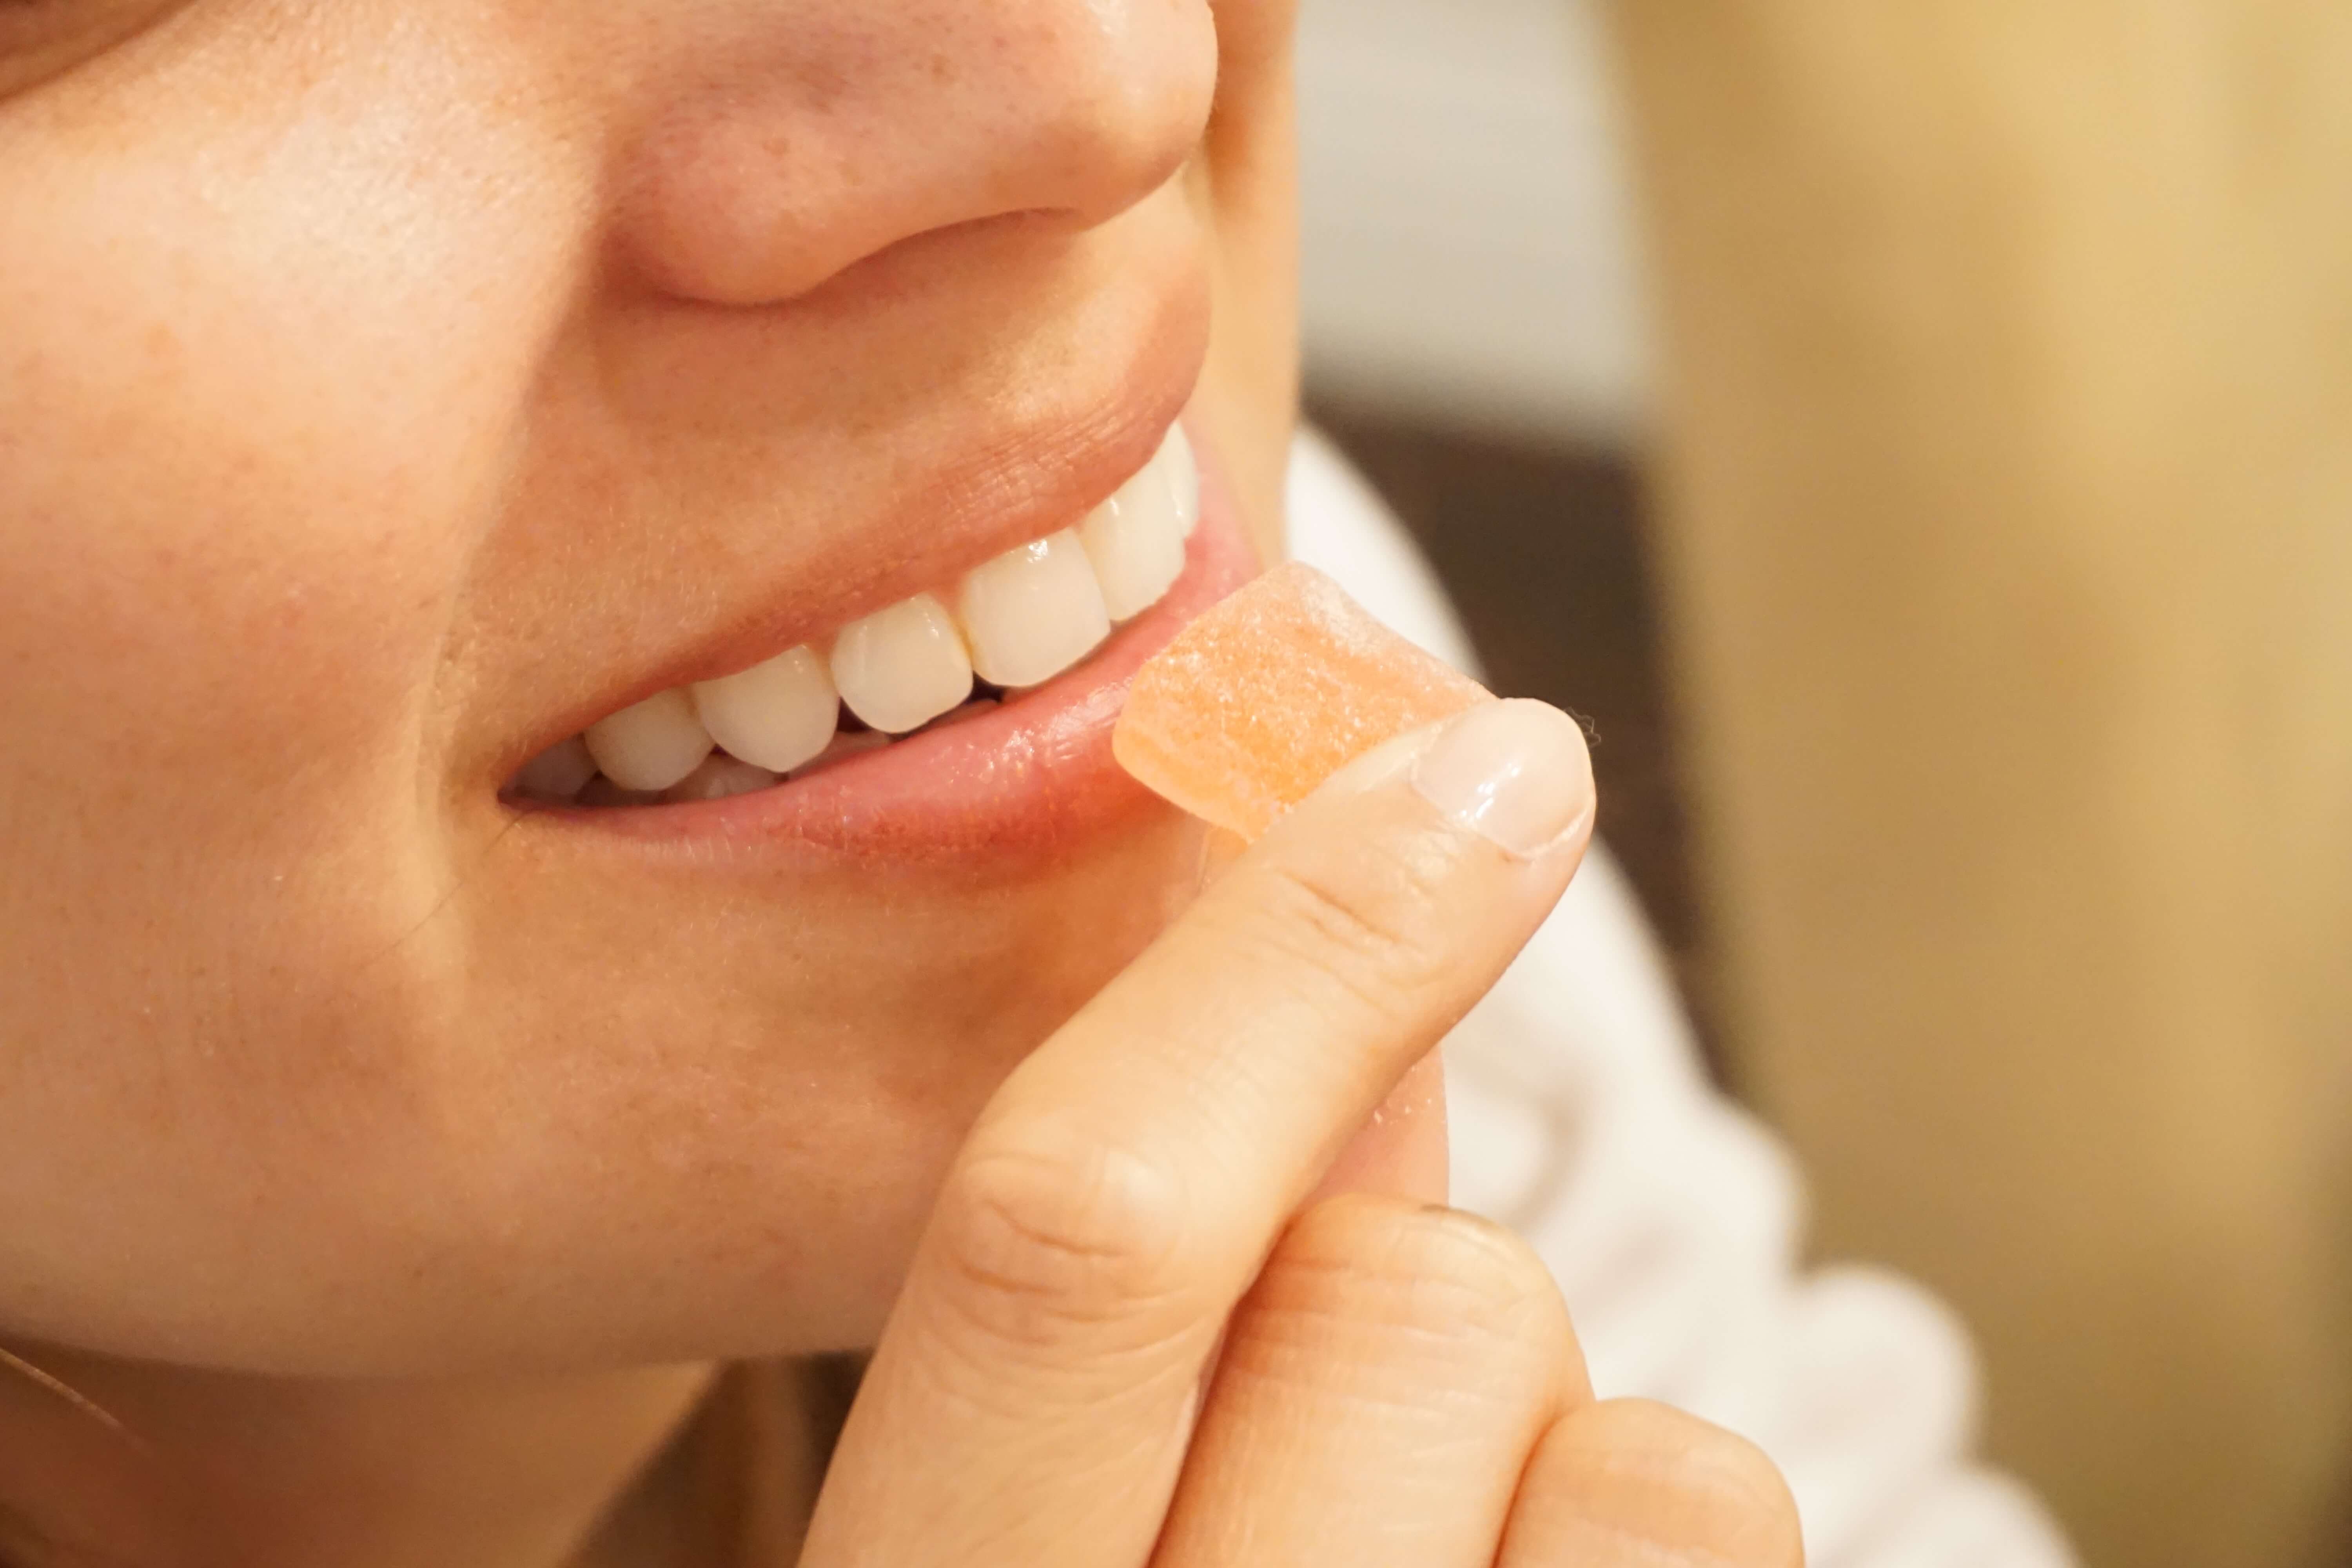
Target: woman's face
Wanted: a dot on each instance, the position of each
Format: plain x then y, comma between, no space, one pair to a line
389,389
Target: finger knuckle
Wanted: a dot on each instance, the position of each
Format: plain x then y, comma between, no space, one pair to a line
1054,1239
1751,1515
1683,1488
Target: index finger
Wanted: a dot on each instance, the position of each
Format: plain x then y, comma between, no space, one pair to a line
1028,1401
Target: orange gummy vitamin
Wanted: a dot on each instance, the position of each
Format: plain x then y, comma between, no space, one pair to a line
1271,693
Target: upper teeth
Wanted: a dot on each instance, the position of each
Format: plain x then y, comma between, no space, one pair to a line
902,667
778,714
1031,614
1017,621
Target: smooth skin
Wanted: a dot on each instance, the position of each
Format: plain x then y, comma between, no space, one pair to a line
385,1178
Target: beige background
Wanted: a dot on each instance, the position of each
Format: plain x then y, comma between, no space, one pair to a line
2008,424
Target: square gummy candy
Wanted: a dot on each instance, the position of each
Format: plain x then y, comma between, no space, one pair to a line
1272,691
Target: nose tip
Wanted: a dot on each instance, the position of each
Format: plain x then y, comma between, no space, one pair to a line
799,151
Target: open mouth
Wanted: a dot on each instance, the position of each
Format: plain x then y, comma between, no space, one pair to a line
935,659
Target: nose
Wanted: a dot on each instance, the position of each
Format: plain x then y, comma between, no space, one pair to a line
783,140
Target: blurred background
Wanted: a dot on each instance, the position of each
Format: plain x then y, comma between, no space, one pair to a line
1919,438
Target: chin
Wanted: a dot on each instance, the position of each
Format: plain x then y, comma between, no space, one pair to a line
718,1145
782,1154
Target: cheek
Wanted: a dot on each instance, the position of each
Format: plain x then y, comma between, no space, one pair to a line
256,374
256,390
255,379
1245,184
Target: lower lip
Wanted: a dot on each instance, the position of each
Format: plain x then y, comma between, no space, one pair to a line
1035,778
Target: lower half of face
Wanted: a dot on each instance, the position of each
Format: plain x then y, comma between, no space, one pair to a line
391,454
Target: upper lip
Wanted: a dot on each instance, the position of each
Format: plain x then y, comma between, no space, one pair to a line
1025,477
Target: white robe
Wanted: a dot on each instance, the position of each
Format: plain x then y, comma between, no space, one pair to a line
1581,1118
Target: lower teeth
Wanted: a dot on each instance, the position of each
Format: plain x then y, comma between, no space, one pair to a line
723,777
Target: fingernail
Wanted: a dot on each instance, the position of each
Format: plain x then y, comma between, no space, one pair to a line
1514,772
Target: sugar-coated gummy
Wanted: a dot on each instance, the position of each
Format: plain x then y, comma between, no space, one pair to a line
1272,691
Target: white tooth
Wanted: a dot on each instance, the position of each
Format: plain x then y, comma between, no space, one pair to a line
775,715
718,778
1183,470
1032,612
558,773
1136,539
651,745
899,669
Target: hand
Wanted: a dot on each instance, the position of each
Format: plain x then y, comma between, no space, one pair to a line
1397,1382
